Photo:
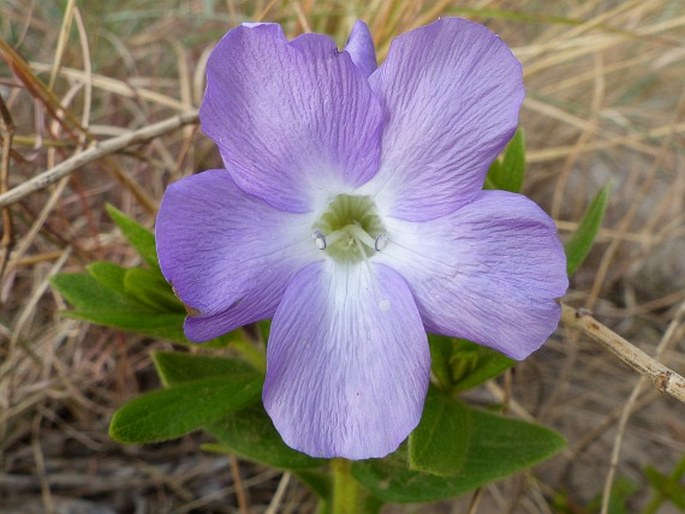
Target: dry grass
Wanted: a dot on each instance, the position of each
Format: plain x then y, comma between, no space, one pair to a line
605,102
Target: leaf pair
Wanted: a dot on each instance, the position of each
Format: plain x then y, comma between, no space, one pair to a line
137,300
456,449
459,365
221,395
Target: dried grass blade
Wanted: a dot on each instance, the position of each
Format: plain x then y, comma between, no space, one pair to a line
96,151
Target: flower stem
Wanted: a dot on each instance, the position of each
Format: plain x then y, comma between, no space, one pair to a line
346,497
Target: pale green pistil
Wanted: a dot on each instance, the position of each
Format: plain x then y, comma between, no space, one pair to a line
350,229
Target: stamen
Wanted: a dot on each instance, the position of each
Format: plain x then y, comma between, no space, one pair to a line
361,235
335,236
348,229
319,240
360,248
380,241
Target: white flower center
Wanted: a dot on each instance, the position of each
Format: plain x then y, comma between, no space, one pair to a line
350,229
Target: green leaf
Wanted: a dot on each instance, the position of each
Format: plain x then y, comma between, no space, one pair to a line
459,364
621,492
441,348
371,505
250,434
109,275
667,487
86,292
142,239
150,288
514,163
146,286
99,298
581,241
170,413
492,171
619,499
317,481
175,368
473,364
508,174
251,352
438,445
152,324
498,447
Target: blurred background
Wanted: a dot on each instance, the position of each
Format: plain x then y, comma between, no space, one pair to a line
606,103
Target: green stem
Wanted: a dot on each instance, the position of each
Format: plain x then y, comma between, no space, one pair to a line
346,497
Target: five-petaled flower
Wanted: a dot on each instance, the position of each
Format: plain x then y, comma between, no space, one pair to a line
351,211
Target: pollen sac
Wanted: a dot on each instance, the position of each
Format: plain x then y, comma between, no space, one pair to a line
350,230
380,241
319,240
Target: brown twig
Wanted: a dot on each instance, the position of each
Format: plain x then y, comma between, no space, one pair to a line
41,468
278,495
7,133
475,501
666,340
96,151
38,89
243,505
664,379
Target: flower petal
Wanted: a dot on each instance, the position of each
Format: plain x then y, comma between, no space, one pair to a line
452,90
290,119
361,48
347,362
226,252
489,272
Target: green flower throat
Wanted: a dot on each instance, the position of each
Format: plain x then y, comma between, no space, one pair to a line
350,229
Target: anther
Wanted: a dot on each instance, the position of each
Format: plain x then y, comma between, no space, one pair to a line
380,241
319,240
347,229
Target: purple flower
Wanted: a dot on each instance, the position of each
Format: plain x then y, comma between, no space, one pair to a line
351,211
